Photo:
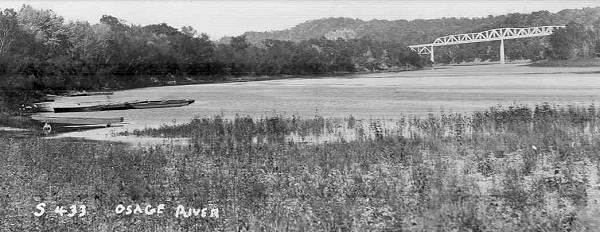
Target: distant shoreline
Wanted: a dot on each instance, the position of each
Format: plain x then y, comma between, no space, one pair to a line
21,121
249,78
581,62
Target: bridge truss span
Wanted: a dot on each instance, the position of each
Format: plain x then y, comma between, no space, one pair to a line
485,36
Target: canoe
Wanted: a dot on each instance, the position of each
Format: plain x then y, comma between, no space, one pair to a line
43,107
77,109
125,106
116,106
78,120
49,98
103,107
84,93
161,104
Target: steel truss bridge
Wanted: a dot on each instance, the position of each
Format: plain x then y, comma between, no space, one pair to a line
484,36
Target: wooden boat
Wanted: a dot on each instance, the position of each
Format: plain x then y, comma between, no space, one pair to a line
125,106
103,107
76,109
43,107
53,125
116,106
161,104
49,98
84,93
78,120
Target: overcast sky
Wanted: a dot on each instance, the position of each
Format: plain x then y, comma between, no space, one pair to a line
233,17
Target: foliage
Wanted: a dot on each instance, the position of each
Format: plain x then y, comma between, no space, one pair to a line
425,31
8,29
41,51
512,168
575,40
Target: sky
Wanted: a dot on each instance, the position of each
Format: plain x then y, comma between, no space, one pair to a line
234,17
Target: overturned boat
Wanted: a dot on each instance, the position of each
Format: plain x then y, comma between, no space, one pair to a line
70,124
43,107
125,106
76,109
90,108
85,93
78,120
161,104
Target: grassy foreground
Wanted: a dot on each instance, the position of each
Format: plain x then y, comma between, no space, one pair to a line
505,169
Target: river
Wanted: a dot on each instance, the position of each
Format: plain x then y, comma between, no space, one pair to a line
365,96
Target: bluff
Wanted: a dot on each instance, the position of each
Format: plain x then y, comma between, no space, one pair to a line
420,30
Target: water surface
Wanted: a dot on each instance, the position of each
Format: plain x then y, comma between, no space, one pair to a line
365,96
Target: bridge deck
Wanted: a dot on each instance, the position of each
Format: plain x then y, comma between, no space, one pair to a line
484,36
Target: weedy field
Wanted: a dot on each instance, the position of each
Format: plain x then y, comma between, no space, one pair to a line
513,168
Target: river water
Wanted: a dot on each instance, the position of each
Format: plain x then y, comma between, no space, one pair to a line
365,96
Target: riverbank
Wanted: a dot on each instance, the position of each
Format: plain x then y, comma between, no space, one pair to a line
16,115
19,101
497,170
386,96
580,62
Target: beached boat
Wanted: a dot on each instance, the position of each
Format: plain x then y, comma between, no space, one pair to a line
84,93
53,125
115,106
161,104
90,108
77,120
49,98
76,109
125,106
43,107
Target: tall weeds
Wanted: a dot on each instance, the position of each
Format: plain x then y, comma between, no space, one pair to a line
513,168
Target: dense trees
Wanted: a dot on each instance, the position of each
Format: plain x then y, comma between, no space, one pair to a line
9,28
425,31
576,40
40,51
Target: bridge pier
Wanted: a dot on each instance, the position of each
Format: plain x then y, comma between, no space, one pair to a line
502,58
432,57
484,36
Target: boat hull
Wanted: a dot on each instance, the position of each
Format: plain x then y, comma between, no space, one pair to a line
117,106
126,106
43,107
76,109
81,94
105,107
161,104
78,120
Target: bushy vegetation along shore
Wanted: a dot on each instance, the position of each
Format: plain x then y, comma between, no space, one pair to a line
505,169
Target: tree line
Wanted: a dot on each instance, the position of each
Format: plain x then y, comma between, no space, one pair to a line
42,52
424,31
580,38
576,40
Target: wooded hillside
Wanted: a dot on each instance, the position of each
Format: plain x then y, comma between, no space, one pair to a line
425,31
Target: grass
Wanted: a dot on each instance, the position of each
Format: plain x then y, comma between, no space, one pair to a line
511,168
